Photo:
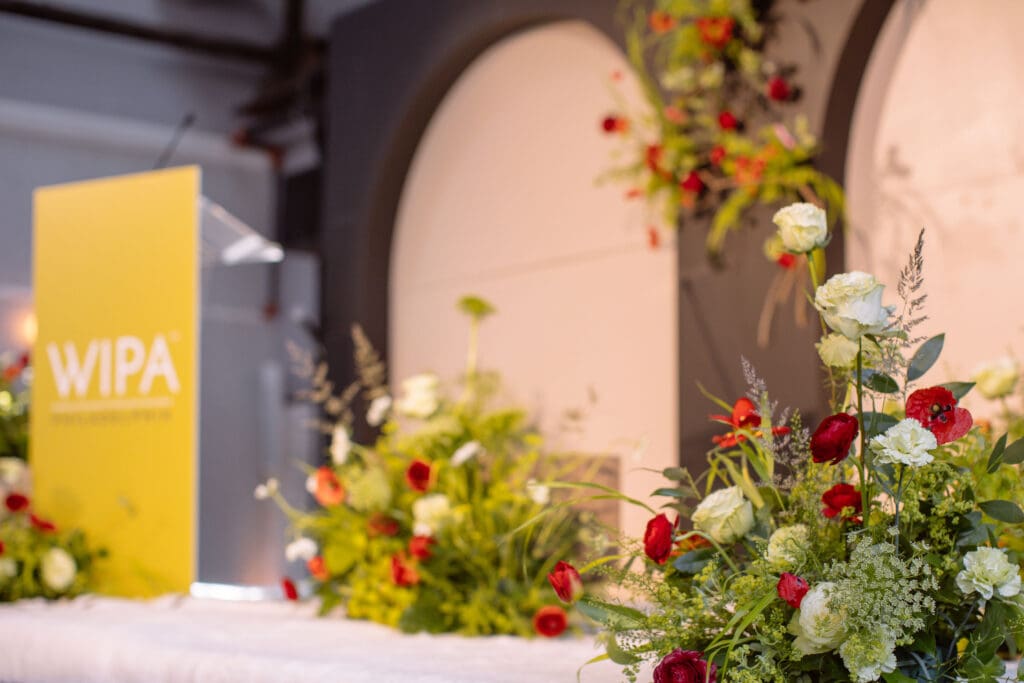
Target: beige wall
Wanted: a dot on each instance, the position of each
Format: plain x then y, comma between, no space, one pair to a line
938,143
501,201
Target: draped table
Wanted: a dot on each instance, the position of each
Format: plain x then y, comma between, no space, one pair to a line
108,640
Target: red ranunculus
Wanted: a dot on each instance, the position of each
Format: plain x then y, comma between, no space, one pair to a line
839,497
289,589
778,89
726,121
744,416
318,569
787,261
380,524
792,589
16,502
658,538
418,475
716,155
831,441
567,582
403,573
692,182
936,409
684,666
44,525
328,490
550,621
419,547
715,31
661,22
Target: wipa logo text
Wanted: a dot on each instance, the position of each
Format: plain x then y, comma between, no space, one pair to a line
116,365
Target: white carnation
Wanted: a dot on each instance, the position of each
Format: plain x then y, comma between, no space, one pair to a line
998,378
868,655
905,443
787,547
419,396
58,569
851,304
987,572
802,227
725,515
817,627
301,548
836,351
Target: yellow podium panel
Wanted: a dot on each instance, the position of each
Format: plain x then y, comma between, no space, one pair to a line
114,396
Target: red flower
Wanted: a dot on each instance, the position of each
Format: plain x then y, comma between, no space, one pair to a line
694,542
778,89
1,547
726,121
419,547
16,502
744,416
567,582
832,439
653,237
614,124
288,587
658,538
840,497
653,160
418,475
550,621
684,666
692,182
675,114
403,573
46,526
661,22
787,261
717,154
382,525
936,409
792,589
634,193
328,490
715,31
318,569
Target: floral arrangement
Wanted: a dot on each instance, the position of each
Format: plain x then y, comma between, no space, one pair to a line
437,525
861,550
715,142
14,385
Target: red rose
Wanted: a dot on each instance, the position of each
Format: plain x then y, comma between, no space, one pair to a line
658,538
831,441
550,621
382,525
403,573
41,524
418,475
936,409
289,590
684,666
318,569
792,589
567,582
787,261
16,502
839,497
726,121
717,154
715,31
419,547
778,89
692,182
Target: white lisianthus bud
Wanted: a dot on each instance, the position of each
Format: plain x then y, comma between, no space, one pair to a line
787,547
725,515
905,443
802,227
301,548
538,493
341,445
817,627
378,410
58,569
851,304
419,396
836,351
465,453
998,378
264,491
430,513
988,572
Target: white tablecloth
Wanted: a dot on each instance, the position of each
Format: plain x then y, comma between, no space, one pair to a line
204,641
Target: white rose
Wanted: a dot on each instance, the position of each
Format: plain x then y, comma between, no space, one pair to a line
787,547
8,569
817,627
378,410
998,378
264,491
725,515
430,513
802,227
420,396
836,351
58,569
465,453
987,571
301,548
538,493
907,442
868,655
851,304
341,445
14,476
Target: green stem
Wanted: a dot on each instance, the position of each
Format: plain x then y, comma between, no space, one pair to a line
899,499
824,328
864,498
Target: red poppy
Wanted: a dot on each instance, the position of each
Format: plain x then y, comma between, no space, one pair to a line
419,547
716,155
661,22
44,525
566,581
614,124
380,524
715,31
787,261
692,182
778,89
328,490
841,497
726,121
658,538
792,589
550,621
684,666
318,569
16,502
403,573
831,441
289,589
744,416
936,409
418,475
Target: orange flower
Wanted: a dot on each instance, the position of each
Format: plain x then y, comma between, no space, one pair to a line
317,568
744,416
328,490
661,22
715,31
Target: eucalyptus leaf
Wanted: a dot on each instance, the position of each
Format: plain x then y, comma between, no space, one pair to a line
615,617
1014,453
674,473
879,381
674,493
958,389
925,357
693,561
1003,510
996,459
876,423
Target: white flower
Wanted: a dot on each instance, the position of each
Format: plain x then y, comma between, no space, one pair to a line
58,569
419,396
816,627
264,491
851,304
301,548
787,548
311,484
466,452
907,442
6,401
538,493
837,351
868,655
8,568
725,515
802,227
987,571
998,378
341,444
14,476
378,410
430,513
